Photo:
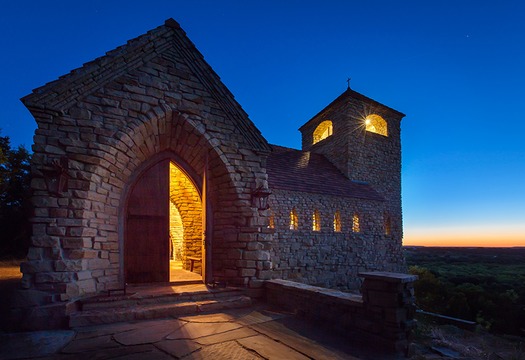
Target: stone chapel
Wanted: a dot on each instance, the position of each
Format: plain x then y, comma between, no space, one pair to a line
145,168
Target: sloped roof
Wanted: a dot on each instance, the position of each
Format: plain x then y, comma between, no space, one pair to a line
306,171
61,94
352,94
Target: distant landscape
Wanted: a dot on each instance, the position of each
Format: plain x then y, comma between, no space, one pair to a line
486,285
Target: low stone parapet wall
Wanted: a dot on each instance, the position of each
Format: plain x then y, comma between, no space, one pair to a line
383,314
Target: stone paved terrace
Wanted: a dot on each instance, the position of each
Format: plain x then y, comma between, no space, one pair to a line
258,332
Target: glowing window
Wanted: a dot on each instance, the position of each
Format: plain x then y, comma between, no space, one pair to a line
316,221
337,221
322,131
388,225
294,221
376,124
356,227
271,222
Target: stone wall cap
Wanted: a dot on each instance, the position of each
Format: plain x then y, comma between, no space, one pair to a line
389,276
318,291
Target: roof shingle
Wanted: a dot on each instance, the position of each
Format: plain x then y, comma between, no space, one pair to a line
306,171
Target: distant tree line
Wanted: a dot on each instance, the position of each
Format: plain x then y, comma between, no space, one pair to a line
15,207
495,304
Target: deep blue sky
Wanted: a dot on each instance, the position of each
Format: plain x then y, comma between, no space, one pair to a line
456,68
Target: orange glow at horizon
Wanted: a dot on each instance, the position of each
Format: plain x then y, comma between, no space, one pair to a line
478,236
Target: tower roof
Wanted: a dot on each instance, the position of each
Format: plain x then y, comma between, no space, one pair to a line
350,94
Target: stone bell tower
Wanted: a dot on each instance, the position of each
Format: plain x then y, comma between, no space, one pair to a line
361,137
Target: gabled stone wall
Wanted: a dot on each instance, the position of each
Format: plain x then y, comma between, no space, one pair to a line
155,98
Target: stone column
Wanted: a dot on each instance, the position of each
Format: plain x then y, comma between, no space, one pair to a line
388,300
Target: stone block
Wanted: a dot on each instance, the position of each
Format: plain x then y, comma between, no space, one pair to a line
29,298
45,241
235,254
35,253
81,254
76,243
247,272
382,299
56,230
246,263
260,255
264,274
70,265
87,286
95,264
31,267
54,277
82,231
83,275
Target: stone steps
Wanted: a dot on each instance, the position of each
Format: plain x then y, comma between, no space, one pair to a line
135,299
132,307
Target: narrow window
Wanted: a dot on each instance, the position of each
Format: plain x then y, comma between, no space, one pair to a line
356,227
271,222
294,223
316,221
376,124
388,224
322,131
337,221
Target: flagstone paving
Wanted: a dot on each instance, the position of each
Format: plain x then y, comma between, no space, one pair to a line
248,333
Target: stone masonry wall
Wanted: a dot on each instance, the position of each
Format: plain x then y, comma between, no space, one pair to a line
362,155
383,315
328,258
153,98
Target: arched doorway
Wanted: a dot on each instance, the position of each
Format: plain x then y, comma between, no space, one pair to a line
163,237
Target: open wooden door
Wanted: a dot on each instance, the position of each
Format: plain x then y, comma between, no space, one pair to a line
204,202
146,257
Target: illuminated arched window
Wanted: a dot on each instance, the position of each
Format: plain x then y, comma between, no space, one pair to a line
388,224
294,221
337,221
356,227
316,221
376,124
271,222
322,131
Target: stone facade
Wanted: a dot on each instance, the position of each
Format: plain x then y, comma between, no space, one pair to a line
345,170
104,127
330,258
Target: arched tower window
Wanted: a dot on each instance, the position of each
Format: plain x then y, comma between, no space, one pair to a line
316,221
356,226
294,221
322,131
376,124
337,221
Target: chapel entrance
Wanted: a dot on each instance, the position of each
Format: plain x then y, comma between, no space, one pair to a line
164,227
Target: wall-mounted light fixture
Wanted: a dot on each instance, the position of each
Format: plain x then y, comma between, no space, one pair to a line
260,197
56,176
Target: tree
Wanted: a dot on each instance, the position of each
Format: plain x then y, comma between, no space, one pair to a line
15,206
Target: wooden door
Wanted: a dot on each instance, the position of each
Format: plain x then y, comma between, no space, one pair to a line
147,227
